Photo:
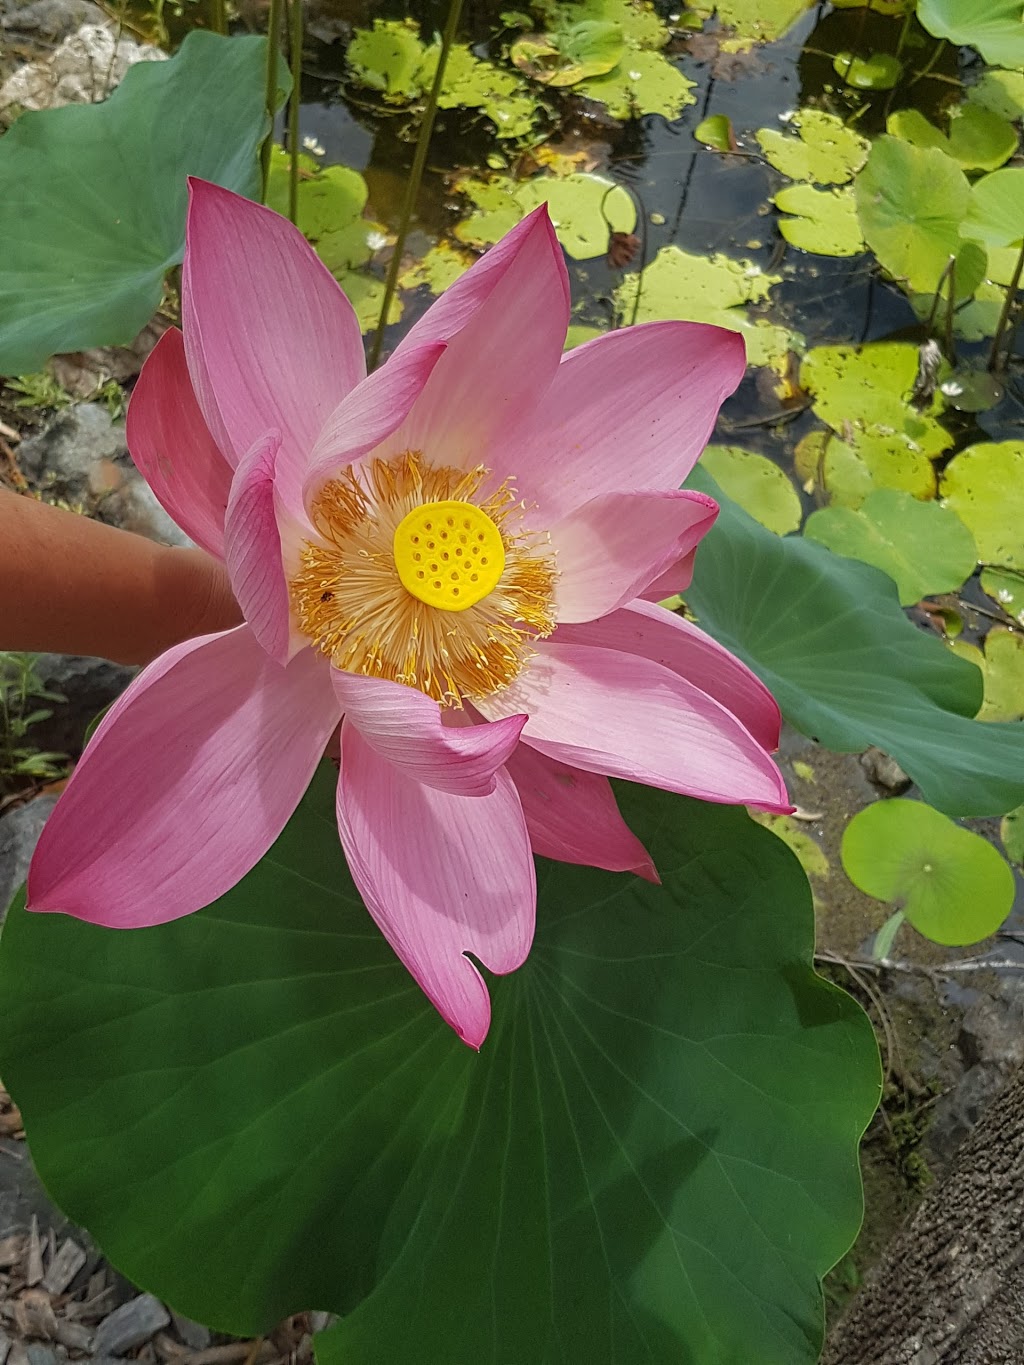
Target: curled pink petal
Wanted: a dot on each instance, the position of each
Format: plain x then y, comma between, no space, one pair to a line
173,449
408,728
443,876
676,579
187,782
272,342
611,548
652,632
624,716
631,409
505,322
572,816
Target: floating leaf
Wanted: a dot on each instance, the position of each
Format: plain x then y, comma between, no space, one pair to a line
497,210
754,21
850,475
388,57
1004,676
830,639
876,71
716,132
440,267
994,27
1000,91
680,285
757,484
1011,831
366,295
331,200
925,548
864,393
1007,588
995,213
911,202
812,857
826,220
984,485
584,210
266,1067
952,885
591,48
94,211
642,83
978,139
640,26
471,83
826,151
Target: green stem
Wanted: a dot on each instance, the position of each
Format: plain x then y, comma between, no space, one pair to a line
412,187
1004,316
273,35
926,69
294,105
219,16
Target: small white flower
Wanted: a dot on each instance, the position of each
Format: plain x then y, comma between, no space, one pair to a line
375,239
1004,596
787,116
311,145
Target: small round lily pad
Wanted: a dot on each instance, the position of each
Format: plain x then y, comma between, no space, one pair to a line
825,151
953,886
984,485
823,221
757,484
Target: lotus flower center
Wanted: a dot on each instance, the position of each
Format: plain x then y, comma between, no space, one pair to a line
449,554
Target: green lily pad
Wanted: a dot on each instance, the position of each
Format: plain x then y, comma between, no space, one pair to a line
1007,588
829,637
925,548
366,295
690,288
1011,831
753,21
951,885
876,71
850,475
716,132
497,210
978,139
388,58
331,200
826,151
584,209
811,855
995,212
891,8
994,27
1004,676
640,25
579,332
591,48
440,267
984,485
980,317
824,221
471,83
757,484
864,393
1000,91
266,1067
643,83
911,202
86,245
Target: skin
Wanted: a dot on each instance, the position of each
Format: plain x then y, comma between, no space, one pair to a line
75,586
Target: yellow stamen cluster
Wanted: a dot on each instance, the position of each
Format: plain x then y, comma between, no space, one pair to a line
370,614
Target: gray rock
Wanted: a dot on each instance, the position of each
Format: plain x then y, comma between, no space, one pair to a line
19,833
50,20
130,1325
89,685
193,1334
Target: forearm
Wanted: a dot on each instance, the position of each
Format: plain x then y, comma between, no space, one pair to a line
70,585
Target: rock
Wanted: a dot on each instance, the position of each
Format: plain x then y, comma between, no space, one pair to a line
193,1334
85,68
81,459
884,771
19,833
130,1325
88,686
49,20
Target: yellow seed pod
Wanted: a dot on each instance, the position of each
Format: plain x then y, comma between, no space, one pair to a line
449,554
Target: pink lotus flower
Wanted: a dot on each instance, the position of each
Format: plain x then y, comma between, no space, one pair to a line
454,556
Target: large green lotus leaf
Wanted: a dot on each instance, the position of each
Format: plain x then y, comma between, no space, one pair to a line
984,485
826,151
824,221
680,285
829,638
93,211
864,393
923,547
911,202
757,484
951,885
978,138
994,27
653,1158
995,213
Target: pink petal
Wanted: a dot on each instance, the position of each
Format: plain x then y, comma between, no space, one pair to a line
253,549
370,413
572,816
272,342
651,632
443,875
621,715
173,449
505,322
673,581
631,409
408,729
187,782
610,549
